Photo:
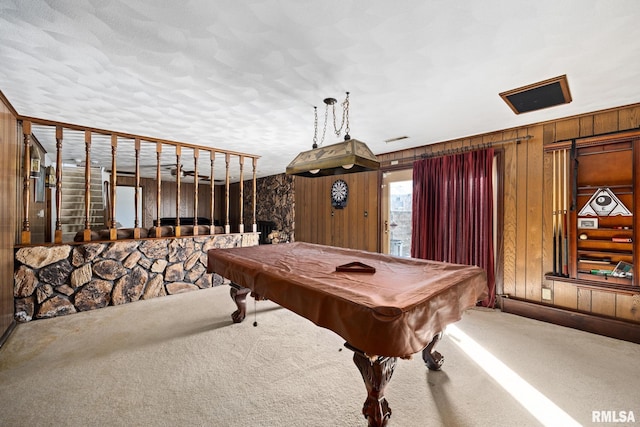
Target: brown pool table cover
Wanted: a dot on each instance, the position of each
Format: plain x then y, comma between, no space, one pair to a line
395,311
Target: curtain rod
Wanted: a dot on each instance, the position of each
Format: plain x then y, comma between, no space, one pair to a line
439,153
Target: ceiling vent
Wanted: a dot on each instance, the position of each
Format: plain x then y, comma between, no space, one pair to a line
398,138
537,96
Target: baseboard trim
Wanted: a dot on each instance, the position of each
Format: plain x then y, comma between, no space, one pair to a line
6,334
613,328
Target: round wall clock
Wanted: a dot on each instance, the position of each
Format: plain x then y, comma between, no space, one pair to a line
339,194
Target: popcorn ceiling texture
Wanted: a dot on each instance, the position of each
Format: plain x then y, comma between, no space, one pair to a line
245,75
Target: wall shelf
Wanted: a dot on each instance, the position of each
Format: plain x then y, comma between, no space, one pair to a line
602,178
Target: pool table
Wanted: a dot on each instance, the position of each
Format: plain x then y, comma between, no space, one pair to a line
385,307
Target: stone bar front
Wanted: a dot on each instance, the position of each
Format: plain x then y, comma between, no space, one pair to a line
55,280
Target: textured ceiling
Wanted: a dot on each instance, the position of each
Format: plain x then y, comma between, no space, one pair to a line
245,75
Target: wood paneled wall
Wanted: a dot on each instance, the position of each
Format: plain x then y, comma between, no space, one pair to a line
355,226
168,199
8,210
600,302
524,239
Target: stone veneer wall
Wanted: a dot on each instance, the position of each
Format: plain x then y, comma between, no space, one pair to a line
51,281
275,202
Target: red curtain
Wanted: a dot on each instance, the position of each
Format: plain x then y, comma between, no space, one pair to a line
453,211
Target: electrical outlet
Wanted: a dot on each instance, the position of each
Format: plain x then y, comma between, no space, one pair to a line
546,294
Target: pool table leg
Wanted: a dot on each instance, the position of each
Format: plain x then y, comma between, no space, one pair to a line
376,374
432,358
239,296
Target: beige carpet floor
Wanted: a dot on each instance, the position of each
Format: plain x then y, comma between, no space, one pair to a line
179,360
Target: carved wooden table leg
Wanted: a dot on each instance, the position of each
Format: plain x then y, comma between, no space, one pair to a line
432,358
239,295
376,373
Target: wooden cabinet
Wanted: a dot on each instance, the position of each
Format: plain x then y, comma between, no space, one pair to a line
604,199
603,218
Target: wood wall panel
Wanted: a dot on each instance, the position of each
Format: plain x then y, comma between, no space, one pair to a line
318,222
526,236
306,226
605,122
372,241
534,215
567,129
323,230
522,233
586,126
302,234
510,219
355,215
584,299
8,211
547,213
629,118
565,295
628,307
603,303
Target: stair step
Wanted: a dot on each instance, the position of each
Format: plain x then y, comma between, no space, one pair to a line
74,194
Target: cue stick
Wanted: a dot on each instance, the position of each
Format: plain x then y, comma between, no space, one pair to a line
554,215
559,213
565,191
573,165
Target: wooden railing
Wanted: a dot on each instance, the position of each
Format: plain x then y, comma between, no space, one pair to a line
28,123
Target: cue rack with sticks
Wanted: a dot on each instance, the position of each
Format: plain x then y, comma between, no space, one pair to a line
560,208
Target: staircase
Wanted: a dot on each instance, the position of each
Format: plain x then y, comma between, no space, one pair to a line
72,207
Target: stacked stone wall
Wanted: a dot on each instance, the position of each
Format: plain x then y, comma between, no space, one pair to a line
51,281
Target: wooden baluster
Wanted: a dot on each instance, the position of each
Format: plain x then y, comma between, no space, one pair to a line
87,186
178,180
212,228
227,226
136,222
25,237
196,153
241,226
58,232
255,224
113,231
158,187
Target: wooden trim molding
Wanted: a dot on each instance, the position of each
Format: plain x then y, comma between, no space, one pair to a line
7,104
612,328
124,135
588,141
6,334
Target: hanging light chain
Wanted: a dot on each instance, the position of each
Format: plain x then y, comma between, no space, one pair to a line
338,131
345,117
315,127
324,128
